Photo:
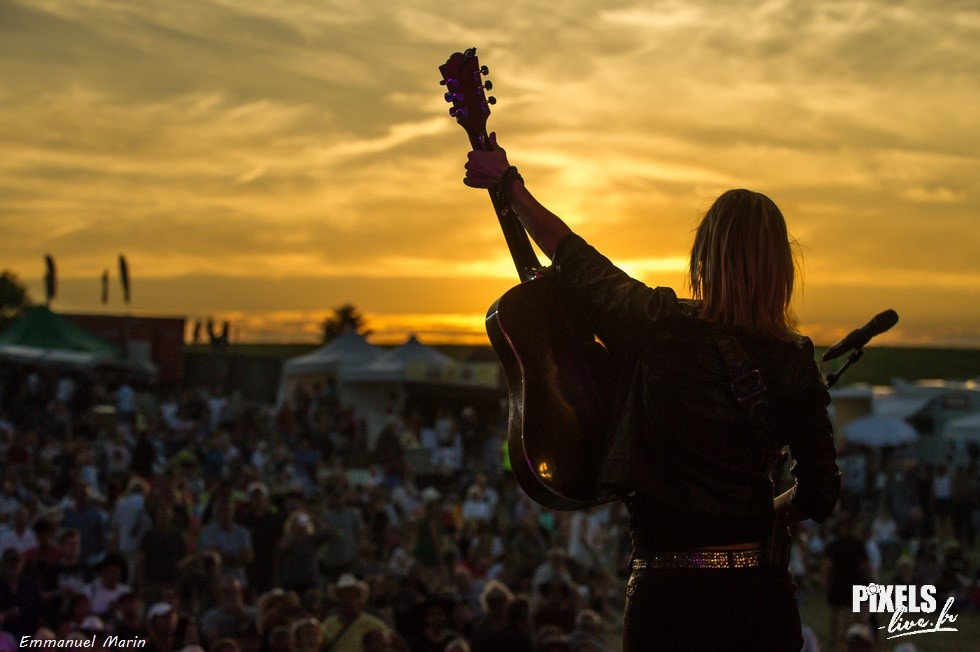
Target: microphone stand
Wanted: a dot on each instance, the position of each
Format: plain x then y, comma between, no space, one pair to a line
851,359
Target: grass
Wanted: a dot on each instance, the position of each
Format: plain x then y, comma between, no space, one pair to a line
879,365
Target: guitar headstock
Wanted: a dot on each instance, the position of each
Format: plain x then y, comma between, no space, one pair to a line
462,75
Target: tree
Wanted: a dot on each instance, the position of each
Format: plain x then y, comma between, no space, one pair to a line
345,318
14,298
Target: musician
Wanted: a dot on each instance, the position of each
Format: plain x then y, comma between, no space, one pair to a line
697,484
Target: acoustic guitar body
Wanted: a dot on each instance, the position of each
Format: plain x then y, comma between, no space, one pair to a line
558,379
558,375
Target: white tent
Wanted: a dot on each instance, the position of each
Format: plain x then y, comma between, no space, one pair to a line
335,360
377,388
899,407
390,367
965,428
75,360
35,355
347,350
880,432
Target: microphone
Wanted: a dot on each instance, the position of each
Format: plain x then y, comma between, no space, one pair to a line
858,338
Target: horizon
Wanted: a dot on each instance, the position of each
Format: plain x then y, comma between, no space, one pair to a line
266,163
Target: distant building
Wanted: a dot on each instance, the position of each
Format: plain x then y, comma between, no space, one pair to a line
159,340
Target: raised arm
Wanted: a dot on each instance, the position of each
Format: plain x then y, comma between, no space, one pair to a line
486,168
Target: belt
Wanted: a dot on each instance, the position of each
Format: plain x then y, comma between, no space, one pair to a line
751,558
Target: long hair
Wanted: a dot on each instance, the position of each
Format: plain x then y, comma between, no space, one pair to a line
742,266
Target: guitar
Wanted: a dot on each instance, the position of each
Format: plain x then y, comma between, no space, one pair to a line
558,375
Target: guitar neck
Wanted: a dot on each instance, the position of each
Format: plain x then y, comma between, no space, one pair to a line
516,237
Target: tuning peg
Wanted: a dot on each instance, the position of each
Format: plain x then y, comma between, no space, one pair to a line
484,70
458,112
491,100
488,85
449,97
442,82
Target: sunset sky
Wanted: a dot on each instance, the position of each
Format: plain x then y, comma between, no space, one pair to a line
269,160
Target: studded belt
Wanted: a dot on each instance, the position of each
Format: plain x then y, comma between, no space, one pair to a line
750,558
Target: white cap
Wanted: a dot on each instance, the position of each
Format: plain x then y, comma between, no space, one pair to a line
159,609
92,624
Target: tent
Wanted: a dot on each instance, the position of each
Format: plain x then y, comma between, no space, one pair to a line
880,432
331,361
899,407
41,337
40,357
390,367
965,428
378,388
42,329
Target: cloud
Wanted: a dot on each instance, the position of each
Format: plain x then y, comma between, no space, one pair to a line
307,139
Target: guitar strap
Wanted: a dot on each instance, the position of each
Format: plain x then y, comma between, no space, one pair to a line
750,392
615,470
746,384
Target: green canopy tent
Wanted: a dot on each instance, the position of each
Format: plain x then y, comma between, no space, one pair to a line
39,327
40,336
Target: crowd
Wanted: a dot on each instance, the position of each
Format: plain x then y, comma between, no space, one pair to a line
195,520
899,522
198,519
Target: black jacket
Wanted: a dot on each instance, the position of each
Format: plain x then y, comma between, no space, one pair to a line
687,449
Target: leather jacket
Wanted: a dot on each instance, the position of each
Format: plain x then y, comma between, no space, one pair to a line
681,445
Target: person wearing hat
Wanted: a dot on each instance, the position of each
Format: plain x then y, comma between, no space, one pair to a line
344,629
110,583
161,627
92,626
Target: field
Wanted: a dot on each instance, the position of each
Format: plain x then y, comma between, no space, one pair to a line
878,366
